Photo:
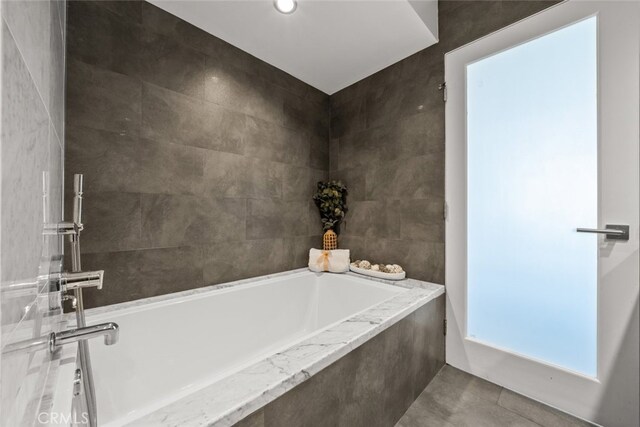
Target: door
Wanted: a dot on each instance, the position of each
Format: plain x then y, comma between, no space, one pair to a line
542,139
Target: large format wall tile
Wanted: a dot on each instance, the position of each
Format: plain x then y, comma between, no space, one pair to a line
203,220
102,99
189,147
113,221
270,141
355,180
108,160
374,219
365,370
315,402
157,20
273,218
417,135
398,380
319,151
429,346
387,142
299,182
421,219
348,117
97,36
30,24
232,175
143,273
237,90
300,114
296,250
224,262
169,64
25,157
170,168
128,10
172,117
399,100
265,219
31,193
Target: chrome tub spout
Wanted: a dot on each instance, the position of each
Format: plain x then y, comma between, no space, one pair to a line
109,330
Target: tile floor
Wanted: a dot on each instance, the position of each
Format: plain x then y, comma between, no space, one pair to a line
455,399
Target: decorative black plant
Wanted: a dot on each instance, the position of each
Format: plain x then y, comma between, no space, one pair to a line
331,200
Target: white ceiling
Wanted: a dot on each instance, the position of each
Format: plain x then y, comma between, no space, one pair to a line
328,44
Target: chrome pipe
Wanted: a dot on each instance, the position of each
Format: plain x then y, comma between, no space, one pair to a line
85,363
78,184
76,264
76,267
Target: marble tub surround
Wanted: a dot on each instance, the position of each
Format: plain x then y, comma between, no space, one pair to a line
232,397
32,62
229,401
387,144
199,159
371,386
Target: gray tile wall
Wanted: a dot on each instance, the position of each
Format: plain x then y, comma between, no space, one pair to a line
387,144
199,159
32,141
372,385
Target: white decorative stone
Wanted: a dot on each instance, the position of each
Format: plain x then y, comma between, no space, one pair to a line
365,264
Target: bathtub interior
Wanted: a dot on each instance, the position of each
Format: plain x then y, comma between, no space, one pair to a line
169,349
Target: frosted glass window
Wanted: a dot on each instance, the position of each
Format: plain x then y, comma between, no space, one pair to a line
532,179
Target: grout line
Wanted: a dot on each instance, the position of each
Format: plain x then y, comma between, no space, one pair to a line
225,108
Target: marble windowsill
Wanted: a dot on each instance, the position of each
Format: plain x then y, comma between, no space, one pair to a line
229,400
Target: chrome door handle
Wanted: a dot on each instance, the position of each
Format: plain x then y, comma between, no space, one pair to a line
611,231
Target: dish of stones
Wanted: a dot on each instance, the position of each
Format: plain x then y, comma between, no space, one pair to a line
382,271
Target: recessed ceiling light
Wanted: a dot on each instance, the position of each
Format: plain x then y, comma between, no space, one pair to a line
285,6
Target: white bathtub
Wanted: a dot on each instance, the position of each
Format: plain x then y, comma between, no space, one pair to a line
172,346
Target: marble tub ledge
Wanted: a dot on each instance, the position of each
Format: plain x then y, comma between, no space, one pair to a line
229,400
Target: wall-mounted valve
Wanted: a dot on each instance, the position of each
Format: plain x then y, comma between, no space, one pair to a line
84,279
